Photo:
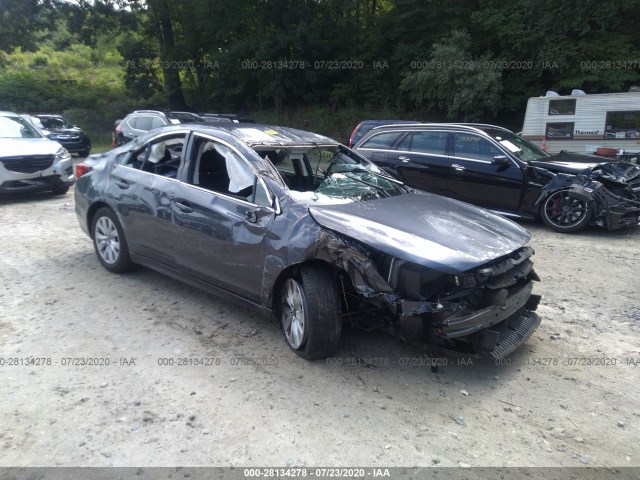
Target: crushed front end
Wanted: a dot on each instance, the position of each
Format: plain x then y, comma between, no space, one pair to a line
489,310
612,190
616,192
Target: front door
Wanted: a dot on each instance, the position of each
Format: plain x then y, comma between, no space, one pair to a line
222,214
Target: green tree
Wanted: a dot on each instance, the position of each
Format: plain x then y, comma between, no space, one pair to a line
454,82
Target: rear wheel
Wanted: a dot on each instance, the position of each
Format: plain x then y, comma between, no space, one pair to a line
565,212
109,242
310,313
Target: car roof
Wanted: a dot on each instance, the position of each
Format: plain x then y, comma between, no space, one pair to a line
257,135
386,122
479,128
8,114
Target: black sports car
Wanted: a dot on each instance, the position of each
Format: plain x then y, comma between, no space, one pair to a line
492,167
296,224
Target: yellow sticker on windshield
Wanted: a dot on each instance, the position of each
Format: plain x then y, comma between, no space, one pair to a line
271,132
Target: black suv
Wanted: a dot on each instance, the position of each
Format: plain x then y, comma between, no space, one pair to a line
59,129
138,123
494,168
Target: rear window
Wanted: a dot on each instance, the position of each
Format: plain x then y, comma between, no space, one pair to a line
382,140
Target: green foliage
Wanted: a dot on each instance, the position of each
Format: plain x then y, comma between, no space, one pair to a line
79,80
454,82
300,60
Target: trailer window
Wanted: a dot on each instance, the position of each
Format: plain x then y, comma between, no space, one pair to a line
558,131
622,125
562,107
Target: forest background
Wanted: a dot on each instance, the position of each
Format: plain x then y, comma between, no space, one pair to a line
321,65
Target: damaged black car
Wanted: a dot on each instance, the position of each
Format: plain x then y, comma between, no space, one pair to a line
493,168
304,228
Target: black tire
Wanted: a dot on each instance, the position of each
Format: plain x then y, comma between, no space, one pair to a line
61,190
320,310
565,212
109,241
84,153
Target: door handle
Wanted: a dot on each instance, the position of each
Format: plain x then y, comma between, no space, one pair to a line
251,216
123,184
403,158
459,168
184,206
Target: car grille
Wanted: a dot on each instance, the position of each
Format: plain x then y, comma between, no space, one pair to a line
30,164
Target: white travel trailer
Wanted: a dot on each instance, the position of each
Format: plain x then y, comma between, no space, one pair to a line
603,124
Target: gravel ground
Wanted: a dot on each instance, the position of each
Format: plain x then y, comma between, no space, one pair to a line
569,397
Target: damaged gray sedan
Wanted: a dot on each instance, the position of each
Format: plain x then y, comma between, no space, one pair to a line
300,226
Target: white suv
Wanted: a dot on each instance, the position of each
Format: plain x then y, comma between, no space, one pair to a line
30,162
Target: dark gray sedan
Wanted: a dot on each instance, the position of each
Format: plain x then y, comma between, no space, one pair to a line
298,225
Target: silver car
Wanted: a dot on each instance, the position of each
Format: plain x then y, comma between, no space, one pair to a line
30,162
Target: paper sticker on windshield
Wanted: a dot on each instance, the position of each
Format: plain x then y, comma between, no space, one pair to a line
512,148
271,132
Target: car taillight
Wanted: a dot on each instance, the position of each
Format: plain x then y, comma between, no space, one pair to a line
82,168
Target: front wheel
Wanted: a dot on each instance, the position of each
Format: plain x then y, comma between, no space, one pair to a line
565,212
109,242
310,313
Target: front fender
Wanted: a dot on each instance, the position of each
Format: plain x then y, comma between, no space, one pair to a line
582,187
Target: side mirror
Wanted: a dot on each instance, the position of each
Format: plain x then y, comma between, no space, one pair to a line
501,160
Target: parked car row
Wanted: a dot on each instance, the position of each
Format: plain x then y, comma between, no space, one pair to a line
406,231
141,121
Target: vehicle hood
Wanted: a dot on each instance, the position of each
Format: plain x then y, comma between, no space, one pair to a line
589,165
17,147
430,230
568,162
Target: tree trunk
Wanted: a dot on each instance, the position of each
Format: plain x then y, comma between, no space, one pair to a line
159,10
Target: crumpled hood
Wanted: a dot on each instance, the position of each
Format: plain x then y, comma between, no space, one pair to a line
17,147
569,162
430,230
589,165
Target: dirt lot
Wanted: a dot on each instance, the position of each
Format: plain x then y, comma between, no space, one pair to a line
559,401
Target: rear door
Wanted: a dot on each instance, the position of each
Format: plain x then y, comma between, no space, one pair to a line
142,186
475,179
422,162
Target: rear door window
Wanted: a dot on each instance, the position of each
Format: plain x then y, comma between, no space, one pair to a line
142,123
429,142
156,122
